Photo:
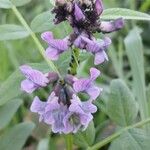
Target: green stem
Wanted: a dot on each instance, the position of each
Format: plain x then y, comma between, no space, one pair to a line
74,61
69,142
117,134
35,39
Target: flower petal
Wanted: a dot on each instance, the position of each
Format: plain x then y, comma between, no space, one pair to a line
100,57
81,85
47,36
78,13
99,7
52,53
38,106
28,86
37,77
107,27
94,73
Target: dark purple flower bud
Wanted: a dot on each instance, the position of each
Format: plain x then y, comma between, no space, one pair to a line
98,7
79,16
52,77
70,79
107,27
56,46
35,79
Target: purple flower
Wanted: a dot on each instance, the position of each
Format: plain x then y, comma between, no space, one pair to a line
87,86
35,79
56,46
51,112
98,7
107,27
79,16
95,47
79,115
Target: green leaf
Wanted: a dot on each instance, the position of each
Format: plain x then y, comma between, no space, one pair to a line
20,2
43,144
7,111
10,89
52,2
121,106
86,138
134,139
12,32
43,22
114,13
5,4
134,48
15,138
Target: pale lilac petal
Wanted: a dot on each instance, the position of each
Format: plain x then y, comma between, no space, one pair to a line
38,106
58,125
47,36
100,57
99,7
93,91
81,85
79,43
111,26
68,127
61,45
52,53
95,73
78,13
85,120
88,107
37,77
28,86
71,122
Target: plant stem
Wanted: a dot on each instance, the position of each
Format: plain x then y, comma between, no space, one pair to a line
117,134
35,39
69,142
74,61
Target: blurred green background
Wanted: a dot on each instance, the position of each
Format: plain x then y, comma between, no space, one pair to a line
14,53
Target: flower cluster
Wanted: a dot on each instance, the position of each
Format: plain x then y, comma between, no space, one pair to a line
65,110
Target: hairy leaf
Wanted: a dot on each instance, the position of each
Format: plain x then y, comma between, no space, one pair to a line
7,111
134,48
114,13
134,139
5,4
121,106
20,2
15,138
12,32
43,22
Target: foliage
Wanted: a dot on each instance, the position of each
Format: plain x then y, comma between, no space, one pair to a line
124,101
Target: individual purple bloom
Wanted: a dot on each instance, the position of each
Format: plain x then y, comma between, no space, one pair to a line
98,7
98,49
56,46
35,79
87,86
51,112
79,16
79,42
107,27
79,115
